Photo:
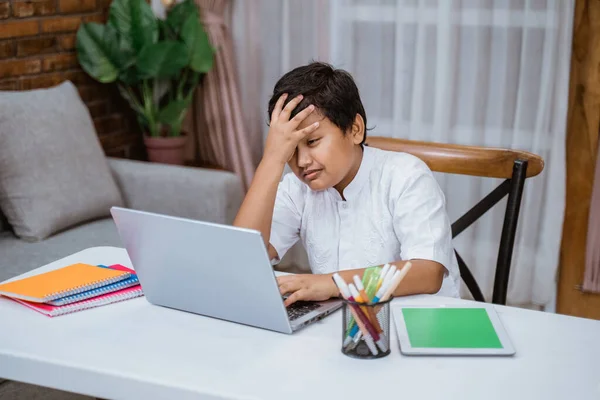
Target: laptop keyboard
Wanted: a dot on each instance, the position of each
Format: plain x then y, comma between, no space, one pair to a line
300,308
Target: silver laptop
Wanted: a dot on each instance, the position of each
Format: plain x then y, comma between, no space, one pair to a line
210,269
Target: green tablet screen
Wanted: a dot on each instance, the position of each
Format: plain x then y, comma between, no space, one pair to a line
450,328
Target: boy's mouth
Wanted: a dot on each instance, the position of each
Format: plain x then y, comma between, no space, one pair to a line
312,174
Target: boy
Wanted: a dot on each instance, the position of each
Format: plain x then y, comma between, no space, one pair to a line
352,206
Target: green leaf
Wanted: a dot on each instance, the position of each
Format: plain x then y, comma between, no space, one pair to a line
135,22
179,13
129,76
97,52
165,31
200,52
122,59
173,112
162,60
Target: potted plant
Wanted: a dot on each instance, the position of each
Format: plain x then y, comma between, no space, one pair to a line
156,64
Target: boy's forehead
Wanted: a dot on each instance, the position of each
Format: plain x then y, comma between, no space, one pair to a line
315,116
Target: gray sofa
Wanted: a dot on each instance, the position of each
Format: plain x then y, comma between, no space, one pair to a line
197,193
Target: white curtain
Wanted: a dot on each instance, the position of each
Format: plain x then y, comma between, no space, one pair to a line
478,72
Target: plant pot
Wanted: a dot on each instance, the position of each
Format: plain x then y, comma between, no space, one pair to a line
166,150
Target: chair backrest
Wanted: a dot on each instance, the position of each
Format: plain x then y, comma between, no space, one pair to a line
512,165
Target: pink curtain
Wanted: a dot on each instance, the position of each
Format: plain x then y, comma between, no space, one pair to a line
216,121
591,280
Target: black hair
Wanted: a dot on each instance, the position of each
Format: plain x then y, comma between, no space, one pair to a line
332,91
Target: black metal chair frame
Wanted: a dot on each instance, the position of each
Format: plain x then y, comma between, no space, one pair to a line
512,187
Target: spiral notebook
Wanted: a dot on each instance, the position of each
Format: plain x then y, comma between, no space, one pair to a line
62,282
113,287
114,297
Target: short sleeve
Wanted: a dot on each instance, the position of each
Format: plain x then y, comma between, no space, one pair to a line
287,216
420,219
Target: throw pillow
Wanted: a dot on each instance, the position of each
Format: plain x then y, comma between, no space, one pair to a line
53,171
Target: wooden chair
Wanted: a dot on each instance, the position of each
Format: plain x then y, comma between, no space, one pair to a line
512,165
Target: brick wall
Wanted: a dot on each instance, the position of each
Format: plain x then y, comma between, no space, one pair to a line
37,50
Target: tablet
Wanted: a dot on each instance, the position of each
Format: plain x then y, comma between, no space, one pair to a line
473,329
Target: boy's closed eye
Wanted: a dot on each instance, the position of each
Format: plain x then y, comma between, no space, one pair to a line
313,141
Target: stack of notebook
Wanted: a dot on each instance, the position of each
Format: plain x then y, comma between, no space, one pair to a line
74,288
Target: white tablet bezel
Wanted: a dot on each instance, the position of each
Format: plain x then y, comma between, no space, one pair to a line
406,348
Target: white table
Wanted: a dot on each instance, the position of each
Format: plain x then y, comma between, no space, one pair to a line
133,350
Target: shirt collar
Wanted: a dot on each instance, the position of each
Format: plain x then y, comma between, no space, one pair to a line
362,176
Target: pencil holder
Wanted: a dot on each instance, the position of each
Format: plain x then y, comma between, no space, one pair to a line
366,329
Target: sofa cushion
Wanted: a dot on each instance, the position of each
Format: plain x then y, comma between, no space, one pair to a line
53,172
19,256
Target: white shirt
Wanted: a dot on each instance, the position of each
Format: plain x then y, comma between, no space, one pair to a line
394,210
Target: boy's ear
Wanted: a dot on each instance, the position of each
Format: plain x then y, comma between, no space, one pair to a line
358,129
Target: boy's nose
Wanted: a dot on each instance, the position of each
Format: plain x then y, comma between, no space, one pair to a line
304,159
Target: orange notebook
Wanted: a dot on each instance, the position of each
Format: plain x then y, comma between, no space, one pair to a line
62,282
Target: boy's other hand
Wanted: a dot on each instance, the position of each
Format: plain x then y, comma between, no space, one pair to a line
283,136
307,287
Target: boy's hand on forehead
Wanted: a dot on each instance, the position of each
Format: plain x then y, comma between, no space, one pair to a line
284,135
